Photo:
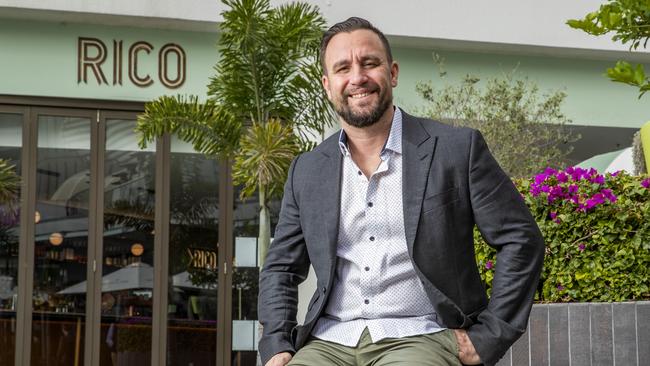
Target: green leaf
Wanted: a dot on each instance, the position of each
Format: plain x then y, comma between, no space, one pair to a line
628,20
639,75
9,184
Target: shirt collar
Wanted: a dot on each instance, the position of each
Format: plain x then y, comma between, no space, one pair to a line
393,143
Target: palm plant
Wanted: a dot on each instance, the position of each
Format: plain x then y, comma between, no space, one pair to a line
264,104
9,183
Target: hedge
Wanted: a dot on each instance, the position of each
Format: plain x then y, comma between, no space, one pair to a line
597,233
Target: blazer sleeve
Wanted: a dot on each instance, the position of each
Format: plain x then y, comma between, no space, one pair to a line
506,224
286,265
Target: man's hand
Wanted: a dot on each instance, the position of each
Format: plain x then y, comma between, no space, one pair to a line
466,352
280,359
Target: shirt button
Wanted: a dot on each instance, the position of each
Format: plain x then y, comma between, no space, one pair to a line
369,204
372,238
367,269
366,301
324,289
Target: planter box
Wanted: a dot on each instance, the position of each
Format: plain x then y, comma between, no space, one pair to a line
584,334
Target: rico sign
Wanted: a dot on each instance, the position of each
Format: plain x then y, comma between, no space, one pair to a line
93,53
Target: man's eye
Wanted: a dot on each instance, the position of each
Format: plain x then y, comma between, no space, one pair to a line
370,64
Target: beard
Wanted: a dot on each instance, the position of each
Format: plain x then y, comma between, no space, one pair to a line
365,118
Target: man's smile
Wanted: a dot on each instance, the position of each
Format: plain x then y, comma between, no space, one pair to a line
359,95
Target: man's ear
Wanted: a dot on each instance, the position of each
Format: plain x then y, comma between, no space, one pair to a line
326,86
394,72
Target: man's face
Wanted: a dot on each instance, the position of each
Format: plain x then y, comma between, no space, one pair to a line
358,78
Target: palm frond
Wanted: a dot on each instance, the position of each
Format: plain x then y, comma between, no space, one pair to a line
266,151
209,127
264,52
9,183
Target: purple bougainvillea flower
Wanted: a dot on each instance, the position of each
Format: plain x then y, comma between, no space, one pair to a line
594,201
646,183
540,178
557,191
576,173
609,195
599,198
596,179
616,173
489,265
562,177
573,188
550,171
582,247
535,191
560,287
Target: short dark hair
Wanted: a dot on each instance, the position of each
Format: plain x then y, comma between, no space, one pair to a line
349,25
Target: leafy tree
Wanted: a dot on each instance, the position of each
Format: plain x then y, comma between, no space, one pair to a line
526,132
9,183
265,100
629,20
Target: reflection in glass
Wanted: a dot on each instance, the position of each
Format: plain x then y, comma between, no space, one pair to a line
245,278
62,195
10,150
127,278
193,262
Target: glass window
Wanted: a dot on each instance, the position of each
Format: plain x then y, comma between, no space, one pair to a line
61,240
193,260
10,151
245,327
127,278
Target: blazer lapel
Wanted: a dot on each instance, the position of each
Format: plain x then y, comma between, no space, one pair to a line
418,148
330,193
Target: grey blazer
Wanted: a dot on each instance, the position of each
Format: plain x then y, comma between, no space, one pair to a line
450,183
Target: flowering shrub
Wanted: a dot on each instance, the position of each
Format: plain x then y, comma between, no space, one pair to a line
597,233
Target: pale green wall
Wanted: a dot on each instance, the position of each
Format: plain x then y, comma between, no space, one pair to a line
40,58
591,98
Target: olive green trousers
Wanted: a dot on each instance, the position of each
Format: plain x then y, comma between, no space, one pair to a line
436,349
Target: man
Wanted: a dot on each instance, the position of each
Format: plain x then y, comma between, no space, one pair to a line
384,211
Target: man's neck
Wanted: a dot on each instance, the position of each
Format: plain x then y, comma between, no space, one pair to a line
368,141
365,144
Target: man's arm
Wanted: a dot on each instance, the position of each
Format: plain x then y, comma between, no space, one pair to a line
286,265
507,225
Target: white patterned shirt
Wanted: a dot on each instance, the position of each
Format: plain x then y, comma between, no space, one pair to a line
375,285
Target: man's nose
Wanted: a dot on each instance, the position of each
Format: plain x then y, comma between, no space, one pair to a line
359,75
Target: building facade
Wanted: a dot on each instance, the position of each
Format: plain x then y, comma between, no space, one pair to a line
122,255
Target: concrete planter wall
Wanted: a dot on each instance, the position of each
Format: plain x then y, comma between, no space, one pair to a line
584,334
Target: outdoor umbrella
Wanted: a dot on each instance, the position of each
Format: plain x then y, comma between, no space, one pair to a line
611,162
134,276
183,280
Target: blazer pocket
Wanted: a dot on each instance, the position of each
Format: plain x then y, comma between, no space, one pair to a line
440,199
